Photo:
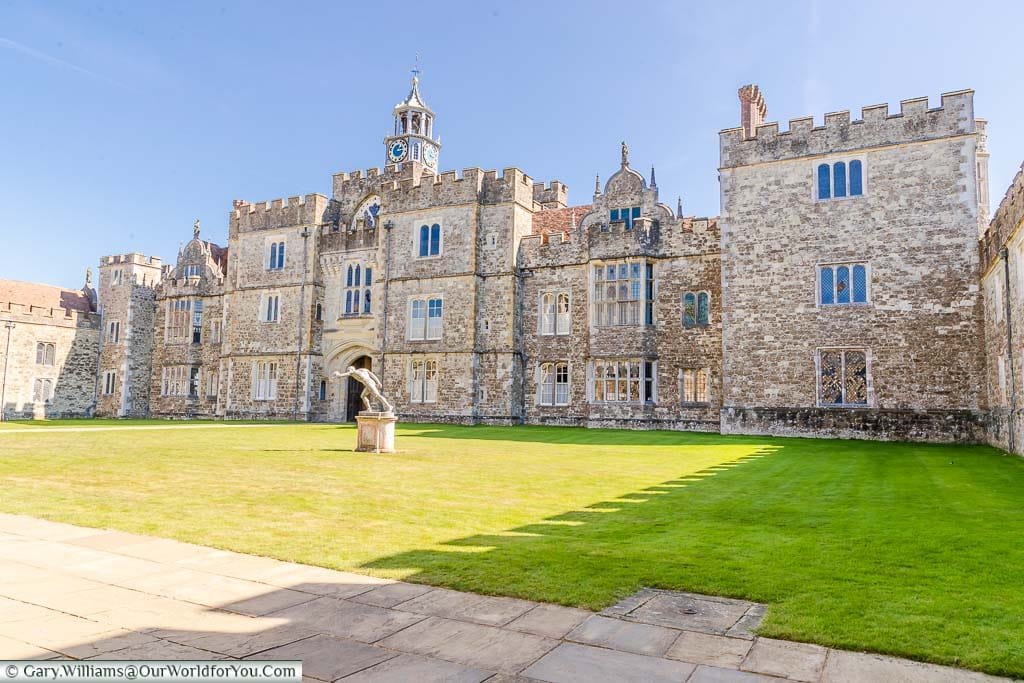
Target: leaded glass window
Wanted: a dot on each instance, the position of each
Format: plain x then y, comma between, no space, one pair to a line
629,380
824,181
689,309
843,284
694,385
839,179
856,181
553,384
843,377
696,309
358,282
620,293
366,214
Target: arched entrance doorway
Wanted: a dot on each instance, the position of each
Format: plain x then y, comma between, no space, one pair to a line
353,404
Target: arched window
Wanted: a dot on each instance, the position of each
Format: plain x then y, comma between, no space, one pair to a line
842,285
323,390
856,182
319,311
348,279
824,181
703,308
860,285
562,314
839,179
435,239
424,240
273,256
348,302
547,313
689,309
356,278
827,287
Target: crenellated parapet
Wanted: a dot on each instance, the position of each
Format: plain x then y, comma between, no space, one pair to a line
278,213
877,127
1008,218
46,315
131,259
553,196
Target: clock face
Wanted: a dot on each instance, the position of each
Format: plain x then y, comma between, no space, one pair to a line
430,155
397,150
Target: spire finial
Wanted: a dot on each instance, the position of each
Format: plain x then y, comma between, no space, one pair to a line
195,229
625,153
653,183
597,183
679,207
415,70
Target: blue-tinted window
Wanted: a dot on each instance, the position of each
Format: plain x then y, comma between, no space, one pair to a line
424,241
856,182
703,308
824,182
348,277
356,278
614,215
368,276
280,255
348,301
649,314
839,179
860,285
842,285
689,309
827,287
273,256
366,300
435,239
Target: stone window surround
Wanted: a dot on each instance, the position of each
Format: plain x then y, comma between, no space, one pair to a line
109,382
591,379
869,379
47,350
643,300
421,394
426,299
112,332
696,309
540,314
831,161
274,240
707,386
43,386
868,272
538,376
416,226
358,288
264,297
264,380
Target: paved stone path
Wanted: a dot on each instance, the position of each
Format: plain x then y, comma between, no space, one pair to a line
74,592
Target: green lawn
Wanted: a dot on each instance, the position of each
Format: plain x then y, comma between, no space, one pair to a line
913,550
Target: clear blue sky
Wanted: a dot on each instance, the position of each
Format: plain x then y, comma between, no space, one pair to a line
123,122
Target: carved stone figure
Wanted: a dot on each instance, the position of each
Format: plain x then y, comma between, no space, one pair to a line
372,387
195,229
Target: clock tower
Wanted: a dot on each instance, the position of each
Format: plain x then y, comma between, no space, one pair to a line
413,139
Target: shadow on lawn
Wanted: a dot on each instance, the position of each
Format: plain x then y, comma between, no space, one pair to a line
556,435
598,554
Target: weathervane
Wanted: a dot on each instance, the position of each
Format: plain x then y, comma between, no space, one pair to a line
416,66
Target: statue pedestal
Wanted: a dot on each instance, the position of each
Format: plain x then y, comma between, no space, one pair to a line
376,432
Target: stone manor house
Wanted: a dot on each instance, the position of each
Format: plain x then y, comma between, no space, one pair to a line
852,286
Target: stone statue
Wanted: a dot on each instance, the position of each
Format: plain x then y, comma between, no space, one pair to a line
372,387
88,277
625,153
195,229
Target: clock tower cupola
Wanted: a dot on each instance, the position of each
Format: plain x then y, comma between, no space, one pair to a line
413,140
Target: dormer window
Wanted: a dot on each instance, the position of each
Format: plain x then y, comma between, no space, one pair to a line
627,215
193,270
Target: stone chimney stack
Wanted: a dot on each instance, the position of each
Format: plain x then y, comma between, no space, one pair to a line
752,109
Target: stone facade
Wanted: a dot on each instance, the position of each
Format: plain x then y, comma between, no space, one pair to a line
49,340
909,223
487,298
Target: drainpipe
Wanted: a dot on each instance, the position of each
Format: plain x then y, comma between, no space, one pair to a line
302,304
1005,256
3,385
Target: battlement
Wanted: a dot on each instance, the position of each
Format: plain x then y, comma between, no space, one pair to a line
915,122
554,196
133,258
1007,217
277,213
359,175
45,315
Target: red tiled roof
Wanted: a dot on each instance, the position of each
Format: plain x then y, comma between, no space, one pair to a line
44,296
558,220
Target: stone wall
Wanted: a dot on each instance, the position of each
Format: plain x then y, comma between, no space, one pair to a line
75,336
915,226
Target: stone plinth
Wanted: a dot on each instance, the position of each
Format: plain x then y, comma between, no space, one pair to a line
376,432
